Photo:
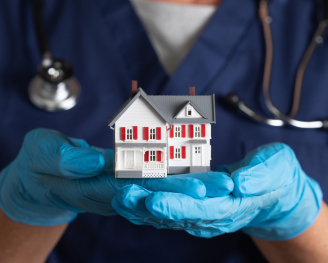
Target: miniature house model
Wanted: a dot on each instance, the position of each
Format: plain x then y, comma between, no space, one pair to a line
159,135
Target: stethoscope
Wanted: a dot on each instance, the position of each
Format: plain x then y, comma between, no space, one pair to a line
54,88
232,100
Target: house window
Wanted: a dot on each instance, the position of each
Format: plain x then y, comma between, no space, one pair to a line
189,110
177,153
152,156
197,131
177,132
152,133
129,134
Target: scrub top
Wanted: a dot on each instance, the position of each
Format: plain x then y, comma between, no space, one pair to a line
108,47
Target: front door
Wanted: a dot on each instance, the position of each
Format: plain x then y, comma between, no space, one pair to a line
197,156
129,161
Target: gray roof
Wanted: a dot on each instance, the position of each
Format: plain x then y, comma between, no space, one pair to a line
169,106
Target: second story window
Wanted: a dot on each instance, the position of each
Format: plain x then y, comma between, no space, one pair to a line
129,134
177,132
177,153
197,131
152,134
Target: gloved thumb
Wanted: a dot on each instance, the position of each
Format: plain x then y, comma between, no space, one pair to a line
266,169
50,152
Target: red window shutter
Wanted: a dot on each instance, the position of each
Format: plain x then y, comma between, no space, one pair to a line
171,152
183,131
146,133
203,130
146,156
135,132
191,131
172,132
158,133
123,133
183,152
159,156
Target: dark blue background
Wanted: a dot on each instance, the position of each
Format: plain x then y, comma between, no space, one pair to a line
108,47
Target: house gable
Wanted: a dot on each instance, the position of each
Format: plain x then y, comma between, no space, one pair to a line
188,108
140,114
128,104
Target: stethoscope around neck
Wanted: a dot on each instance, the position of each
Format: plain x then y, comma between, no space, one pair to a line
54,88
233,101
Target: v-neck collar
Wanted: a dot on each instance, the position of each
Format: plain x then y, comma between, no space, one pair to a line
214,46
132,43
206,59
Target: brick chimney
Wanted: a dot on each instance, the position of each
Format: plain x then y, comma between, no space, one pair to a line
134,88
192,91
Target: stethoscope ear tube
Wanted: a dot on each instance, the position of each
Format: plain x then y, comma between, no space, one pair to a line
235,102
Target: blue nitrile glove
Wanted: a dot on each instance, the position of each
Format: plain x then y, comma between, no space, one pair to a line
55,177
129,202
273,199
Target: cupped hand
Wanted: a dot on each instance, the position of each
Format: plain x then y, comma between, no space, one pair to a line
272,199
54,177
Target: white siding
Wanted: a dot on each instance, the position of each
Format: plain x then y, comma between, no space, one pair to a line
140,114
178,142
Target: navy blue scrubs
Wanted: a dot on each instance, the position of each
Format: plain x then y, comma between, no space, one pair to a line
108,47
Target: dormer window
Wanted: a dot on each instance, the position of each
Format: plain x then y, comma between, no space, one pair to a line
189,110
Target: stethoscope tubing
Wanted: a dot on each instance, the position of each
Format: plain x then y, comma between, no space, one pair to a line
281,119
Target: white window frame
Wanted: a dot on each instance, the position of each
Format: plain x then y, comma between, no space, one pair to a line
177,153
197,131
152,134
189,109
129,134
152,156
177,131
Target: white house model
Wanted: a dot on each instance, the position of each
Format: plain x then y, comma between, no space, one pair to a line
159,135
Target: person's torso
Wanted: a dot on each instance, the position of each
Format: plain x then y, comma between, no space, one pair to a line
108,47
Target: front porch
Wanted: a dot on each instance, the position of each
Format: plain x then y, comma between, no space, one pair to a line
140,162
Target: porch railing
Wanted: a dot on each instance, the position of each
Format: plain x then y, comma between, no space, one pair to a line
154,166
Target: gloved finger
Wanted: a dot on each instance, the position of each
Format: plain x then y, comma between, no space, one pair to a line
50,152
131,205
81,195
129,202
186,185
107,153
217,184
266,169
78,142
109,159
94,194
179,207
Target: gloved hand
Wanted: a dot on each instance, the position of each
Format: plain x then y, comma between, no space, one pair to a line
55,177
272,199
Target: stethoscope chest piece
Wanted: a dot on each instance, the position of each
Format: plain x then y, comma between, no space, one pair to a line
54,88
